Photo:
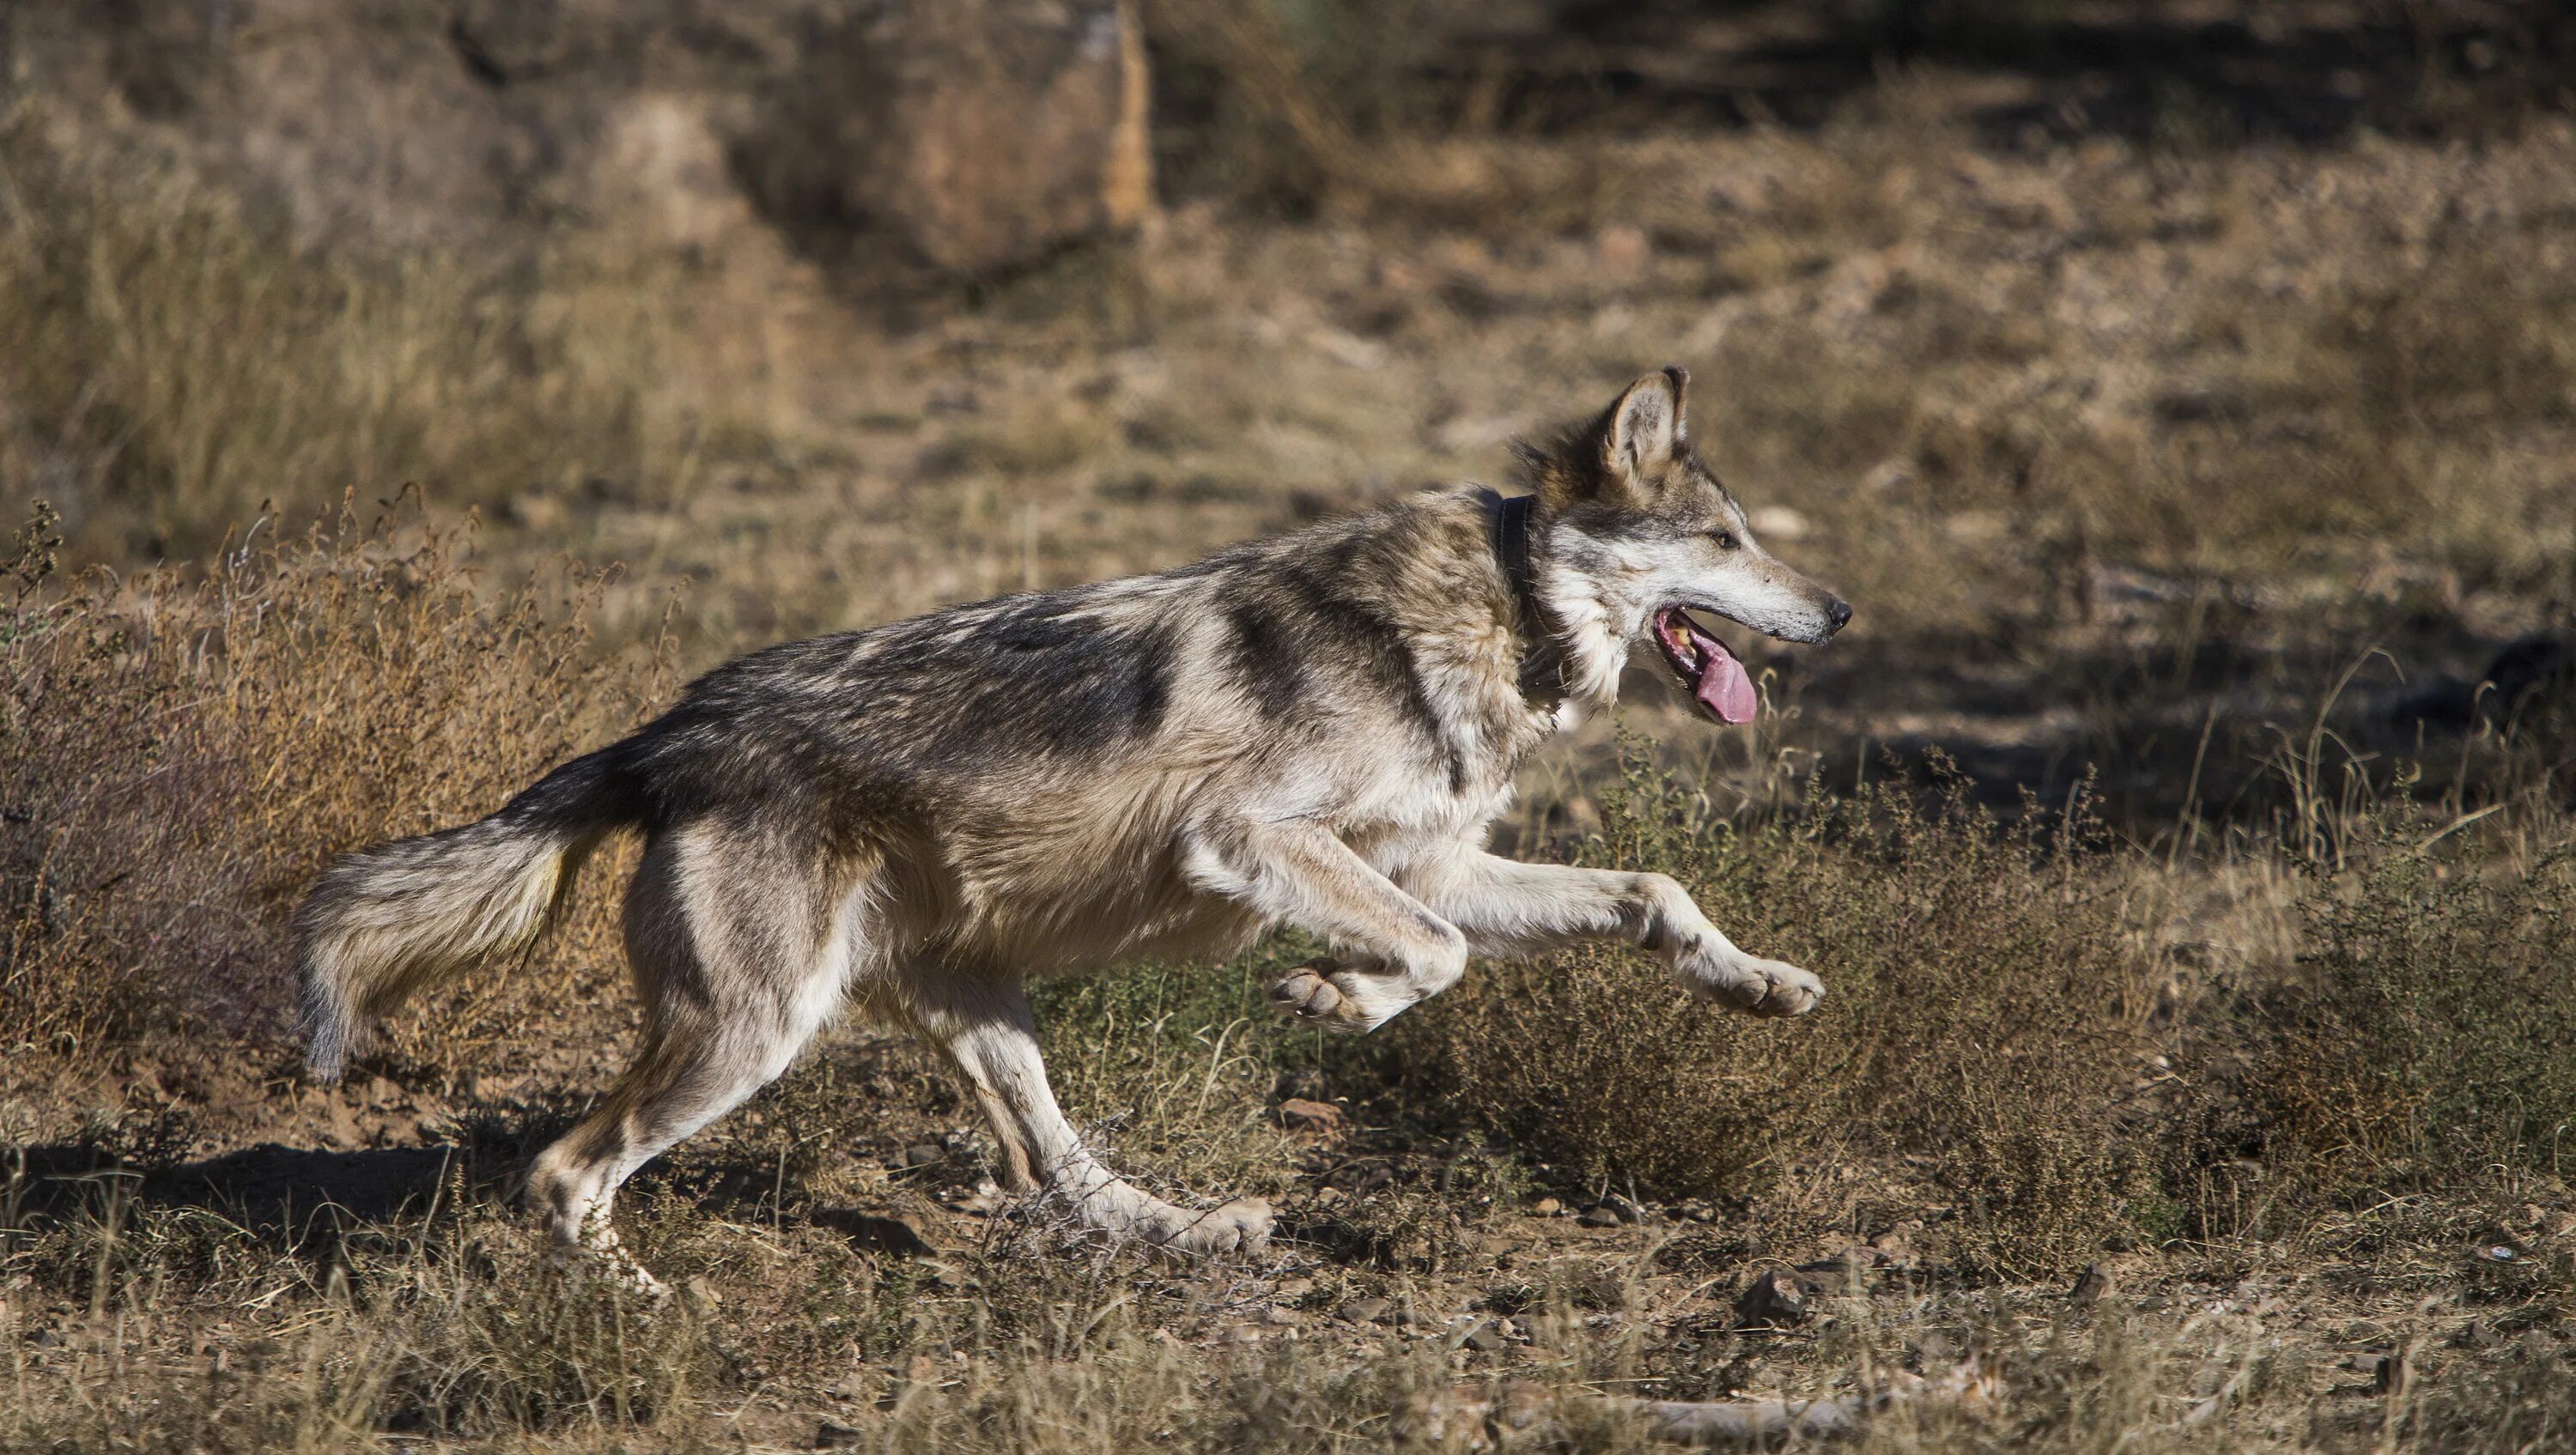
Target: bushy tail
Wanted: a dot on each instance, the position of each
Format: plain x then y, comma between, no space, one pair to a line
386,922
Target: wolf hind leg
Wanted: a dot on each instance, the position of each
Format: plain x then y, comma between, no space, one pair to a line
737,974
988,1032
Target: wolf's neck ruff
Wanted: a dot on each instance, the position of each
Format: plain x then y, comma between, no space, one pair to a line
1542,664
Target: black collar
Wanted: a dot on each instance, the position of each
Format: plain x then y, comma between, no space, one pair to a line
1507,526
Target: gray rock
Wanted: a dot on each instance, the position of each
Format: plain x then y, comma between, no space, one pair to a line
1774,1299
978,135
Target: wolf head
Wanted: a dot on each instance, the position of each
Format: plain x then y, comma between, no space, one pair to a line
1634,534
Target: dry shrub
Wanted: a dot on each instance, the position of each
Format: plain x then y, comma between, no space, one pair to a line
2424,1033
181,751
1983,1017
174,360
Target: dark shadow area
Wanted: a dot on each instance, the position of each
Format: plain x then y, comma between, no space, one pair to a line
2148,71
2169,71
2165,734
306,1201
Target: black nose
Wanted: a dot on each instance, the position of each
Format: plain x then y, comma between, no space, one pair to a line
1840,612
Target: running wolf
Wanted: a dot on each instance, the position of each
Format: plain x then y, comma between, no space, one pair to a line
912,821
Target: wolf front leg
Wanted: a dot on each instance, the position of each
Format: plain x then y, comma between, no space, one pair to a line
1396,951
990,1035
1509,908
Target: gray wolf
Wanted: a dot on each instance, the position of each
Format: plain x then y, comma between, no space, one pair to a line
909,822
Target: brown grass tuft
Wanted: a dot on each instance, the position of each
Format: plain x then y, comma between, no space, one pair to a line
182,751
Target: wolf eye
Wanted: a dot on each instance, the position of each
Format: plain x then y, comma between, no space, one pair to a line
1725,539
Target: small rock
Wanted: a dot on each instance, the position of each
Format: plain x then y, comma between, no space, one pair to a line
1313,1118
1599,1217
1622,250
2090,1286
1774,1299
2493,1249
535,510
924,1154
1826,1275
1546,1207
898,1236
1366,1311
2388,1374
1778,523
1482,1337
2474,1335
1625,1209
831,1434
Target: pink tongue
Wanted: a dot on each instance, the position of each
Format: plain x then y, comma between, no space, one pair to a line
1724,685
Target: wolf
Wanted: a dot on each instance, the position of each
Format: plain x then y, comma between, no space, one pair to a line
910,822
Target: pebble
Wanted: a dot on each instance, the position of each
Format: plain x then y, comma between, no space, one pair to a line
1774,1299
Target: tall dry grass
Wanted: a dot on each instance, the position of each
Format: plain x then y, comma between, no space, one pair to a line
182,749
1985,1019
176,360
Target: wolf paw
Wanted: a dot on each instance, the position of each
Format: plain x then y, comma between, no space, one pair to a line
1765,987
1328,994
609,1263
1760,987
1241,1226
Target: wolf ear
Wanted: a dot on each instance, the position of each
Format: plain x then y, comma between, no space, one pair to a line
1645,428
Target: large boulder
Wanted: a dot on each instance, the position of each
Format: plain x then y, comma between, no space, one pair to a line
971,136
980,135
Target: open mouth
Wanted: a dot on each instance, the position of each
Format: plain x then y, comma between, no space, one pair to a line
1706,667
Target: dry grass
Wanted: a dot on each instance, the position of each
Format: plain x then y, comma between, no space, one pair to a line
182,751
1979,1099
178,363
1986,1021
2126,443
